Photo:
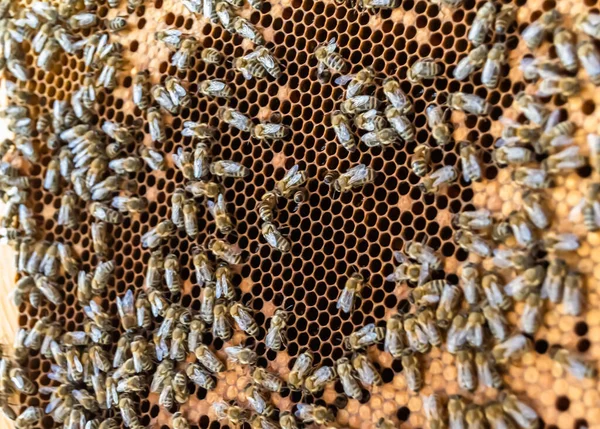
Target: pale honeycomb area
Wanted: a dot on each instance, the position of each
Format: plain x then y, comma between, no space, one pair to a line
330,235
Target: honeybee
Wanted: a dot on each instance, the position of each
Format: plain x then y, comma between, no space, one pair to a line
244,28
177,92
475,328
505,18
482,23
207,304
396,96
456,412
243,317
442,176
533,178
469,103
467,377
270,131
357,82
157,127
154,237
487,372
588,208
567,159
496,417
266,59
221,324
199,131
420,160
423,69
475,418
427,322
249,67
521,413
494,293
329,60
474,220
126,310
211,56
573,294
402,126
119,23
154,270
590,60
370,120
348,379
178,350
556,133
449,301
408,271
287,420
208,359
435,412
417,335
224,285
290,182
531,319
274,238
229,253
218,211
562,85
21,382
352,287
359,104
172,277
29,417
258,401
439,128
511,349
215,88
317,381
535,111
228,169
367,373
564,43
423,254
519,286
573,364
554,242
300,370
171,37
496,322
354,177
314,413
394,336
236,415
199,376
470,163
493,66
182,58
534,33
179,422
275,337
267,380
235,119
473,61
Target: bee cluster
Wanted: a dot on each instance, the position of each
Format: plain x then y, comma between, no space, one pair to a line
101,371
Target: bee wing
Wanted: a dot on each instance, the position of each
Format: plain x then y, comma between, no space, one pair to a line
400,257
271,238
331,45
292,171
345,301
230,167
266,59
344,79
357,173
343,132
270,128
125,305
272,336
423,274
360,100
251,55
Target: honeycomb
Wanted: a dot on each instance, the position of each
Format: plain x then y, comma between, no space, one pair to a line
332,236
